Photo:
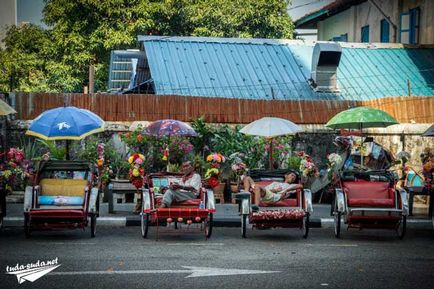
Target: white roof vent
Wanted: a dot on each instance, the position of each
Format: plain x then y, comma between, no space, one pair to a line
325,62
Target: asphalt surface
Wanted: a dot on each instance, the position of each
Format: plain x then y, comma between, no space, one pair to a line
120,258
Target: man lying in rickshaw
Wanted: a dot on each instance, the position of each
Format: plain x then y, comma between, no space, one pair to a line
273,192
186,188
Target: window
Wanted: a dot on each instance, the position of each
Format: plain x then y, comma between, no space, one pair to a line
384,33
409,26
342,38
365,34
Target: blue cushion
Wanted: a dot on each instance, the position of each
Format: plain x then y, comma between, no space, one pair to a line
60,200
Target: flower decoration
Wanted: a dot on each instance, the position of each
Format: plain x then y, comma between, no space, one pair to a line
307,165
293,214
216,158
238,168
15,169
136,172
212,176
333,160
100,150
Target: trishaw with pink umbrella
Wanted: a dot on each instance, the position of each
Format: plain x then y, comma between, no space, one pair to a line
189,216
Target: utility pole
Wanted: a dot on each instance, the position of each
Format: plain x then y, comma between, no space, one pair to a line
91,78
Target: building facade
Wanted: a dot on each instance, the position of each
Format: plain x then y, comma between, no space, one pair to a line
388,21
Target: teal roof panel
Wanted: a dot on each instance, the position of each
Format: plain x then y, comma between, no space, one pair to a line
274,69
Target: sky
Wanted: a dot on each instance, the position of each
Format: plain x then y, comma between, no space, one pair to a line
298,8
30,11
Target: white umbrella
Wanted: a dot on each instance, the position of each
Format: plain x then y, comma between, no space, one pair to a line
271,127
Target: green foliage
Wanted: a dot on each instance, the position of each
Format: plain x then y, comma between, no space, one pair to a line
81,33
56,152
294,162
205,133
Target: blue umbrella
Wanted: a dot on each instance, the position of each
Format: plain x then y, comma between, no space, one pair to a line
65,123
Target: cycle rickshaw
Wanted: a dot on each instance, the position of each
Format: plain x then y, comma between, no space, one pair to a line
194,215
293,212
63,197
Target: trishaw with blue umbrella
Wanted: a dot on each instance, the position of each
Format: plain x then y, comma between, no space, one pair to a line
65,193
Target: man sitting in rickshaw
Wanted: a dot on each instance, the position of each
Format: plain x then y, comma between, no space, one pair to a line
186,188
273,192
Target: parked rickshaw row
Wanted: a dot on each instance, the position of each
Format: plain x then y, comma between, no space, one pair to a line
64,196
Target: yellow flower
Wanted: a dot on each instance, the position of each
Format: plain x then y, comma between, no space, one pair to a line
131,159
209,158
7,173
136,172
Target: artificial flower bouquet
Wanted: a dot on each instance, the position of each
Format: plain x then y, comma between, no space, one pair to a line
307,166
15,169
333,160
136,172
213,172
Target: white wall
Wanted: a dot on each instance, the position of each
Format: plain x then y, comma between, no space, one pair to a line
336,25
8,16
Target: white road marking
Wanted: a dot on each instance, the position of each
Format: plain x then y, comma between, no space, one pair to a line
191,270
333,245
195,244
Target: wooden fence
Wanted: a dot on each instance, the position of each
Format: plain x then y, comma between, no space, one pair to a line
133,107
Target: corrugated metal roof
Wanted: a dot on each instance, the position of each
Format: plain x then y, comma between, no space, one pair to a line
122,69
275,69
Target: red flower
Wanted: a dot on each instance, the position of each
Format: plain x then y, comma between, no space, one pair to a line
139,138
127,135
137,182
213,182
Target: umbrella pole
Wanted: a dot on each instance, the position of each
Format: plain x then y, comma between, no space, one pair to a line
67,150
271,154
361,146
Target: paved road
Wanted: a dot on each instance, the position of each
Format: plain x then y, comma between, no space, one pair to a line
120,258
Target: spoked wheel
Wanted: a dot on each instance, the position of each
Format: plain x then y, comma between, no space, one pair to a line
144,222
243,225
306,225
93,225
402,227
337,224
209,225
27,227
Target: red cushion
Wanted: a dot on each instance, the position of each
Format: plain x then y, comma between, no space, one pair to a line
282,203
367,193
389,203
58,213
191,202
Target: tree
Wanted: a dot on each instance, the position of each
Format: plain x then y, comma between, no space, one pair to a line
83,32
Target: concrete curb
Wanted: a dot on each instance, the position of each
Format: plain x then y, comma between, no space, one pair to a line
424,224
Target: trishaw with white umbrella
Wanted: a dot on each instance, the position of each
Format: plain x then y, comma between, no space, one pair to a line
292,212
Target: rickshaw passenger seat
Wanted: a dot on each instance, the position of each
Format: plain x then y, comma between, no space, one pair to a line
63,187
